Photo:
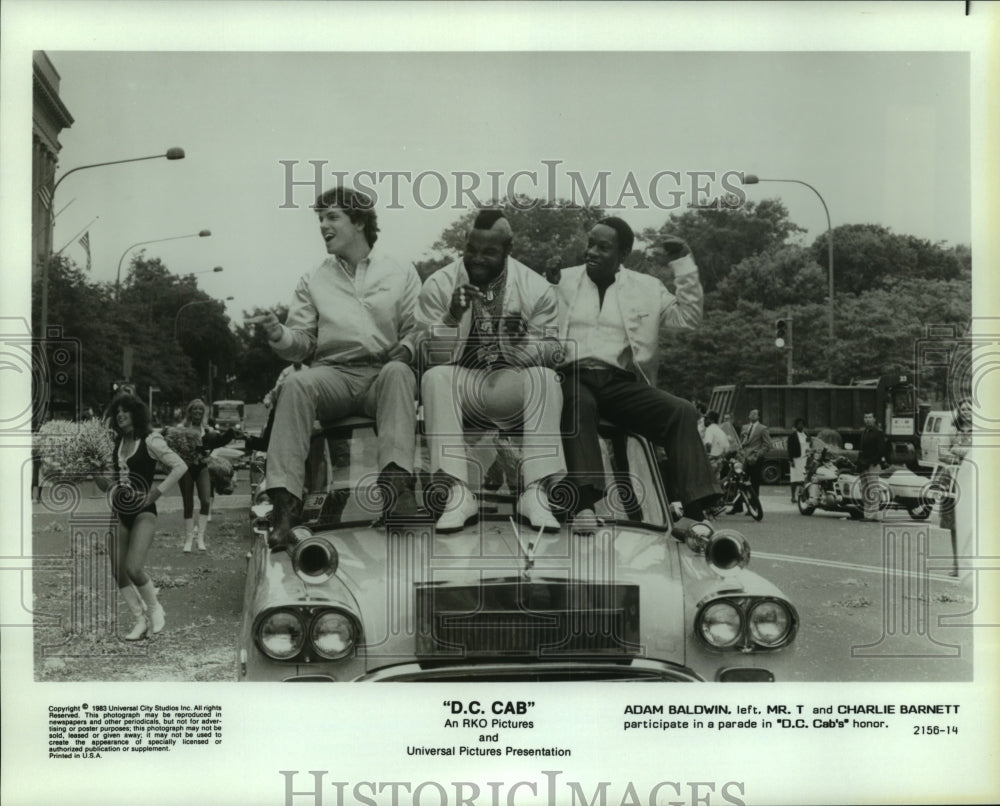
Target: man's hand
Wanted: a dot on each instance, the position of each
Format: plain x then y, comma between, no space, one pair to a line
400,352
674,248
461,300
269,322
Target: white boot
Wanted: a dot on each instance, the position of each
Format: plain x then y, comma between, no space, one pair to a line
189,534
135,605
200,534
157,617
461,509
533,506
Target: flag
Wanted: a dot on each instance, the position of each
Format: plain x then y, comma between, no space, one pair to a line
45,197
85,243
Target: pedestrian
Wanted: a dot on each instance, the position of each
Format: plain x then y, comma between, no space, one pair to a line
755,442
958,450
137,450
716,441
610,321
702,410
494,322
353,315
203,440
872,457
798,444
729,428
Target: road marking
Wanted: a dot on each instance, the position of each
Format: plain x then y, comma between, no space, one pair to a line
871,569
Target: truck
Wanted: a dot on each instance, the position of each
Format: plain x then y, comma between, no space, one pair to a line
826,407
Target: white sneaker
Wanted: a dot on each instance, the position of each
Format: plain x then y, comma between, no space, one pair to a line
533,506
461,509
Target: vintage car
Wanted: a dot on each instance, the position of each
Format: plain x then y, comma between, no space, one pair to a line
640,599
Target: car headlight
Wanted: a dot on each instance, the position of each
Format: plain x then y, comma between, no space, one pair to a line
332,635
770,623
720,624
281,635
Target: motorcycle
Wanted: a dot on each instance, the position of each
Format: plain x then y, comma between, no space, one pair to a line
832,483
737,490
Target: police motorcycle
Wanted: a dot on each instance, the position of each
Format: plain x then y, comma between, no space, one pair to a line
832,483
737,490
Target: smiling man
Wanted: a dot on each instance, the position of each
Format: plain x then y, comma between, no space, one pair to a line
352,318
490,328
610,320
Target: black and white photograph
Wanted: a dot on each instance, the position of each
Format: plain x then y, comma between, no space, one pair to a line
513,349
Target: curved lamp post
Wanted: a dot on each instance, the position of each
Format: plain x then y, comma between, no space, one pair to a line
177,317
751,179
174,153
216,270
118,277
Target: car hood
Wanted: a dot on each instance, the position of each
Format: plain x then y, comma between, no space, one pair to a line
387,581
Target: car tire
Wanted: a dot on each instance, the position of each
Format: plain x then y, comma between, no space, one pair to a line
770,473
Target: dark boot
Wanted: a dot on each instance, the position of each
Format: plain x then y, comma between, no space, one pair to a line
399,502
284,516
696,509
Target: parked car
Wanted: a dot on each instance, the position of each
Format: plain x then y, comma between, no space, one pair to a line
641,598
229,414
939,427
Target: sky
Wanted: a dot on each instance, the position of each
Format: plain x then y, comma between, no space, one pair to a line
884,137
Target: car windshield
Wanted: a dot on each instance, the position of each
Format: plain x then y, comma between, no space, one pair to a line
345,463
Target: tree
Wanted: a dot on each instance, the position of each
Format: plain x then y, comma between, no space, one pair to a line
777,277
80,375
546,237
721,238
177,332
867,256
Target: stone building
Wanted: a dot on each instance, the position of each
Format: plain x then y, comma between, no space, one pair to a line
49,116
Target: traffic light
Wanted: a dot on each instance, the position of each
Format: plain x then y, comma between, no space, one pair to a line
782,332
122,388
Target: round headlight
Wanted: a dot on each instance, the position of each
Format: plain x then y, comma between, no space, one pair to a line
770,623
281,635
721,624
737,467
332,635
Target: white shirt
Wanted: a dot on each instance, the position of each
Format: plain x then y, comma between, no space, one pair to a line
716,439
596,334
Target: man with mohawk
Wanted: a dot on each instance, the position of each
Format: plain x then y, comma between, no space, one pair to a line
489,330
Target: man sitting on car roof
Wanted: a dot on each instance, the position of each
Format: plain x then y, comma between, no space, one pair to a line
354,316
489,326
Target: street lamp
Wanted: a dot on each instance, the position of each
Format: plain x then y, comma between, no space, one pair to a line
194,302
170,154
118,277
216,270
751,179
174,153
